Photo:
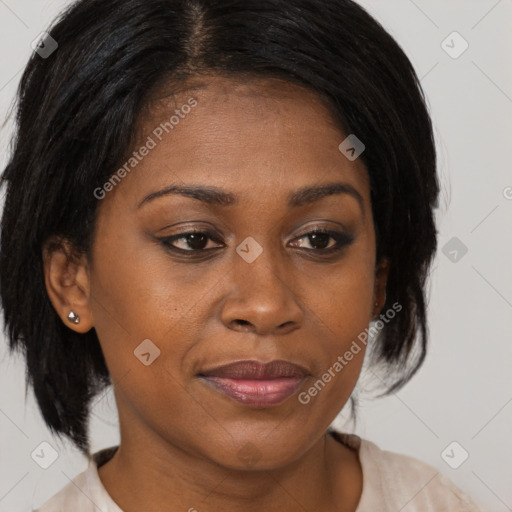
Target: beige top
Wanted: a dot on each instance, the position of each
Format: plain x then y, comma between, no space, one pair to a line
391,482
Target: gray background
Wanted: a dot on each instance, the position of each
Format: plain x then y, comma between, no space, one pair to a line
463,393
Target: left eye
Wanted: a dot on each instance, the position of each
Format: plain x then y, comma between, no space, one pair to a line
319,239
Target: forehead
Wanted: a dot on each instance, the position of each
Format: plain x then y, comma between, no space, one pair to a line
256,136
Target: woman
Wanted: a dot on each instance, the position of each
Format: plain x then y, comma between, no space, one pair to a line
206,205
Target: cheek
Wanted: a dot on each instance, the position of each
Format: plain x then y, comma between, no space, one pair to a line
143,303
340,312
341,297
133,288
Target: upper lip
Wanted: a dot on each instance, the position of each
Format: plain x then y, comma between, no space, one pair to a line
250,369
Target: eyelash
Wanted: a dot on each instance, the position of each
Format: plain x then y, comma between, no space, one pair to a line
342,241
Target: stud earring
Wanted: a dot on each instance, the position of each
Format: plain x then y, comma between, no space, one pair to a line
73,317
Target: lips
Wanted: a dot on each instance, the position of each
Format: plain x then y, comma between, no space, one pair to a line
256,370
256,384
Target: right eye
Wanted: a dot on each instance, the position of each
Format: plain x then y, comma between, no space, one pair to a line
194,241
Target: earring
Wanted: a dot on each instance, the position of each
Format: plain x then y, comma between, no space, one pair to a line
73,317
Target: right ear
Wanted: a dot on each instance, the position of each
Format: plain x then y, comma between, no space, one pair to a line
67,281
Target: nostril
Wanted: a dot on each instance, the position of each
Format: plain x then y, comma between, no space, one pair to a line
241,325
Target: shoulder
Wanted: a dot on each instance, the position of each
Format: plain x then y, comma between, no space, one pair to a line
85,493
392,481
69,497
407,484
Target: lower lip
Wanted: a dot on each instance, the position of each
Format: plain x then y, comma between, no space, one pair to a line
257,393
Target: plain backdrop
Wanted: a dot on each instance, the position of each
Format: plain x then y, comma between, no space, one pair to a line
463,393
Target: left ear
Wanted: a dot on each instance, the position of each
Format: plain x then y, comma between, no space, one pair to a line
379,292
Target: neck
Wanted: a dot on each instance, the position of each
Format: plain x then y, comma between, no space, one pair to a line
158,476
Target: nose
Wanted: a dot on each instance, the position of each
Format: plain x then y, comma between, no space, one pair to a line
261,297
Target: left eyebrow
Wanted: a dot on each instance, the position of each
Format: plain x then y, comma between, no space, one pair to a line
218,197
308,195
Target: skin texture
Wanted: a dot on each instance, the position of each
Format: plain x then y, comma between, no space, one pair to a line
181,440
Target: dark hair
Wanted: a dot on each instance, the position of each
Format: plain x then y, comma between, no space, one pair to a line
76,113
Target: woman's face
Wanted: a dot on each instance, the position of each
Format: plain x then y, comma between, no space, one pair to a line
254,286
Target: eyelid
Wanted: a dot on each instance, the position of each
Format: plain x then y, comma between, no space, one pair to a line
322,227
326,226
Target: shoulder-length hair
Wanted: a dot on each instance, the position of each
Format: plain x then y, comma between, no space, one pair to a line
78,104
